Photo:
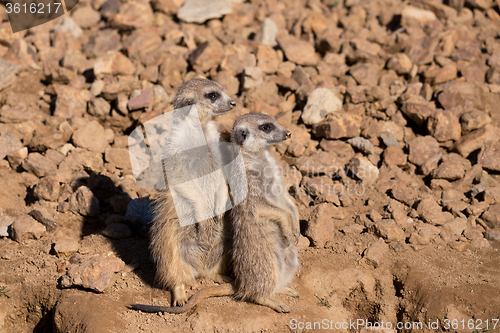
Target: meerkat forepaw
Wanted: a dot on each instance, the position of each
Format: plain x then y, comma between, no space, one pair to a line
219,278
275,305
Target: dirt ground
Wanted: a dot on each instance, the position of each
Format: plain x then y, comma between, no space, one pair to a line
394,160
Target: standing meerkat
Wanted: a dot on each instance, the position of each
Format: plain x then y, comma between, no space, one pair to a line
191,249
263,225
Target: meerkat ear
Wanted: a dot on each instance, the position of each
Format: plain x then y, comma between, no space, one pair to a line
241,135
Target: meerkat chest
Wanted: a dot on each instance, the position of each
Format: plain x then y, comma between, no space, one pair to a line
211,132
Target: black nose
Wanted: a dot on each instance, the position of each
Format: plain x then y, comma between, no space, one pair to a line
288,134
232,103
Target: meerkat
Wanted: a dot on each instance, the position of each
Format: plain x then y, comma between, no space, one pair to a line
263,225
183,253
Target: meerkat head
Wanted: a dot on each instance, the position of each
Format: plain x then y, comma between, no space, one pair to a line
257,131
209,97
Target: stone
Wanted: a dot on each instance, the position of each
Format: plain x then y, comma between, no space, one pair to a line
400,63
267,33
98,107
267,59
67,24
474,120
432,213
321,102
376,253
473,232
365,74
8,73
362,144
252,77
5,226
91,136
320,227
493,234
20,114
102,42
95,273
47,188
298,51
363,169
25,227
83,160
422,149
66,246
71,102
424,234
389,231
143,100
119,157
436,75
86,16
114,64
456,227
117,231
489,156
451,169
9,144
416,17
16,158
422,50
344,126
393,155
444,126
84,202
140,208
320,163
475,140
458,93
199,11
418,112
42,216
38,164
492,216
206,56
133,15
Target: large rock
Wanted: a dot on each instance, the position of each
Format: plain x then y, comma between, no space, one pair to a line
489,156
475,140
25,227
134,15
320,103
91,136
71,102
298,51
199,11
492,216
422,149
8,145
320,227
83,201
38,164
444,126
364,169
94,273
416,17
346,125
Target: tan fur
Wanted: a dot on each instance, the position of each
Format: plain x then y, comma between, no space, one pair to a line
183,254
266,223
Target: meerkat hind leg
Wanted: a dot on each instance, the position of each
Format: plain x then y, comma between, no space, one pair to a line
289,292
179,297
273,304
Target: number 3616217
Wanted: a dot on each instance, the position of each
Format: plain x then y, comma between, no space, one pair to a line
33,8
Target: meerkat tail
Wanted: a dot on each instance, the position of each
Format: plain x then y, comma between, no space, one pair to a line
212,291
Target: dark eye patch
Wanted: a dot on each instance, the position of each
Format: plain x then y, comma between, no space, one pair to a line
212,96
267,127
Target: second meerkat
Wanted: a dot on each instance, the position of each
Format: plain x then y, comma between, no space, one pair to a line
183,253
264,225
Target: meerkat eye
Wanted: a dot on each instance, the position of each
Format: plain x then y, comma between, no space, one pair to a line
268,127
212,96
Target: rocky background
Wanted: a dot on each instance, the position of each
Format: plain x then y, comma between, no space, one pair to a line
394,159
